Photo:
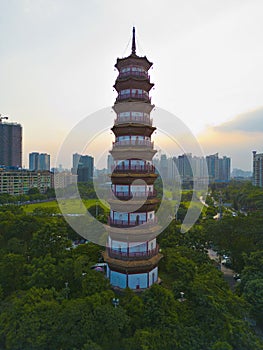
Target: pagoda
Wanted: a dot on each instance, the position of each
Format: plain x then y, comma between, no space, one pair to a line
132,254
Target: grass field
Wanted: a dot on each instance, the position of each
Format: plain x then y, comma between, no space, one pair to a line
70,206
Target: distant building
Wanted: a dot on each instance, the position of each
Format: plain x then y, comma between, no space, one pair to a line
83,166
239,174
224,169
184,163
218,168
257,169
10,144
212,167
164,166
110,163
39,161
33,161
193,168
172,168
64,179
60,169
16,182
44,161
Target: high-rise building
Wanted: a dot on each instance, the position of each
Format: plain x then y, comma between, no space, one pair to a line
83,166
44,161
218,168
164,166
257,169
33,161
224,169
110,163
172,169
185,166
16,182
212,167
76,158
39,161
132,253
10,144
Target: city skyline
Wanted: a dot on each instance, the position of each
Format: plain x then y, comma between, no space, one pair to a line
56,68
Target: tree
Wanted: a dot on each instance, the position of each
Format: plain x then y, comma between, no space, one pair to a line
51,238
29,321
12,272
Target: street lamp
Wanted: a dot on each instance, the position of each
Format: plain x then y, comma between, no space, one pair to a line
96,209
176,211
115,302
181,299
67,290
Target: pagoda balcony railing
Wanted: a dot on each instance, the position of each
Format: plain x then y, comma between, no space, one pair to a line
118,254
133,168
127,195
131,223
142,75
135,96
139,120
139,143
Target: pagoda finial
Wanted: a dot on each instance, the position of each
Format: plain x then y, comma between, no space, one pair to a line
133,41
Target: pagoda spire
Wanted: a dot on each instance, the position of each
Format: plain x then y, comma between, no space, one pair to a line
133,41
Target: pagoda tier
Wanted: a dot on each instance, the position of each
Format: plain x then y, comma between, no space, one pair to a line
133,60
132,254
132,83
142,233
136,106
126,152
128,178
133,166
142,262
131,128
143,207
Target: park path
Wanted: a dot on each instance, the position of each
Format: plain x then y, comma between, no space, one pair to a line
227,272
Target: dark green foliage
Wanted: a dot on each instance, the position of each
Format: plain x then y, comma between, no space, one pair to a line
50,298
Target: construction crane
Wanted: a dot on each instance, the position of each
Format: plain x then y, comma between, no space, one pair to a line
2,118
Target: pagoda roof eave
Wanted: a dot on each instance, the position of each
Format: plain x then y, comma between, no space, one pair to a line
130,82
133,57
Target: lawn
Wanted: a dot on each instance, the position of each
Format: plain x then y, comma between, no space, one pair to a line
70,206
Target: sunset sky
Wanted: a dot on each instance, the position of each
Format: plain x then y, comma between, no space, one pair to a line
57,67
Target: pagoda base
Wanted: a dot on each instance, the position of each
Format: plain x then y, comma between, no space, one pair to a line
135,281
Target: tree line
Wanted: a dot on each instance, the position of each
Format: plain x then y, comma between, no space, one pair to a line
51,298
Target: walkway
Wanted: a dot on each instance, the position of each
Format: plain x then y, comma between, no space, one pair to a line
227,273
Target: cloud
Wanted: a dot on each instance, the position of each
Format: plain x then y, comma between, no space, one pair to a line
236,138
251,121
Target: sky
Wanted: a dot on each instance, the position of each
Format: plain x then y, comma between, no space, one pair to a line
57,67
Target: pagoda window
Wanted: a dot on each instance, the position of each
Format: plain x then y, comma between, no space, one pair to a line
133,69
138,217
137,163
134,138
123,138
137,69
124,114
134,115
126,69
137,91
123,163
137,114
120,188
150,216
124,92
121,216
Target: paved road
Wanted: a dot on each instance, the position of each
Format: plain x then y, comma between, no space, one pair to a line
228,273
228,276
